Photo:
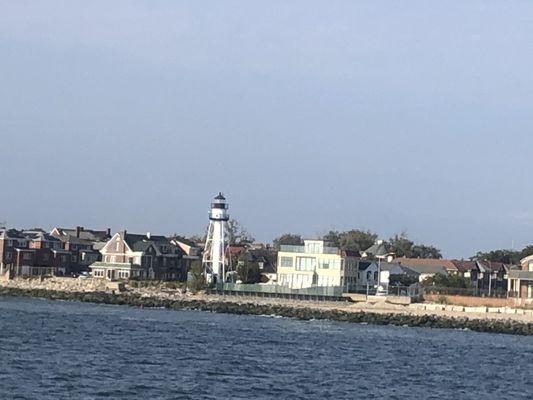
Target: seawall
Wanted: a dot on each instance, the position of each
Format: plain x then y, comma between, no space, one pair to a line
300,312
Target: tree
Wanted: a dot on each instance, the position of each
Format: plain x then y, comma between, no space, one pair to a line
526,251
423,251
354,239
502,255
289,239
238,234
449,281
196,280
249,272
402,246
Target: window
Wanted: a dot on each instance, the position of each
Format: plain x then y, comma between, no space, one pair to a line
26,256
285,262
323,264
117,246
305,263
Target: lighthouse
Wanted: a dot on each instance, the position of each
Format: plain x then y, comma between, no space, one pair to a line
215,261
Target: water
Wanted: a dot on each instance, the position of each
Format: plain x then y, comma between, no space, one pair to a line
64,350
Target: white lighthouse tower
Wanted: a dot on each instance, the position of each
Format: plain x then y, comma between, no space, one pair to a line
215,261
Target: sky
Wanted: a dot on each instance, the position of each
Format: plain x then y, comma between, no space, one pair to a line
309,115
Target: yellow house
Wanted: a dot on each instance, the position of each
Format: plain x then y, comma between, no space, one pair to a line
315,264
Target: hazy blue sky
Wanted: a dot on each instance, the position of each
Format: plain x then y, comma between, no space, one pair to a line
309,115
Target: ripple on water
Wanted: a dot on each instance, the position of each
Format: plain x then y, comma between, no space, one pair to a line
76,350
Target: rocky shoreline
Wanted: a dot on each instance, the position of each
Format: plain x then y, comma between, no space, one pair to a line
304,313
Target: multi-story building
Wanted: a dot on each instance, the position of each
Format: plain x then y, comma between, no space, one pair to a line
520,285
31,253
316,264
82,244
128,255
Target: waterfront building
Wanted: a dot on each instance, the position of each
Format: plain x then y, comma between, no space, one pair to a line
264,258
31,253
316,264
520,282
368,273
216,259
148,256
83,245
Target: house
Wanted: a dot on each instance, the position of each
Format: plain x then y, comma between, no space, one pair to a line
484,275
468,270
426,268
437,263
83,245
148,256
31,253
315,264
520,282
368,273
265,258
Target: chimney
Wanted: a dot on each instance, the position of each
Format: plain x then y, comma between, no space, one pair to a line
123,234
78,230
148,235
108,232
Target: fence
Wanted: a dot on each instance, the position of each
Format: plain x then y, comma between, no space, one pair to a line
472,292
315,292
390,290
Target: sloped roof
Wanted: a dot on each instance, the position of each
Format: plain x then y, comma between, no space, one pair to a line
448,265
39,235
465,266
11,234
426,269
378,249
85,234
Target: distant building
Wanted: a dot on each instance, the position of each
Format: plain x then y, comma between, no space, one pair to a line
368,273
315,264
82,244
31,253
148,256
265,258
520,287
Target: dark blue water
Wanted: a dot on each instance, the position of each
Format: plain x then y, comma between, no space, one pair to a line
63,350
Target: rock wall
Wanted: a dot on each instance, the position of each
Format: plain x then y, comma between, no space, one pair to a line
57,284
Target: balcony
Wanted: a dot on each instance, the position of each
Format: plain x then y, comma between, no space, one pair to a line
303,249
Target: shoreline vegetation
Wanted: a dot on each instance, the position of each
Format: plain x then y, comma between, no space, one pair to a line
302,311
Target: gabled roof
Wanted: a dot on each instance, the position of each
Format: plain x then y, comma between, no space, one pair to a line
378,249
465,266
69,234
39,235
141,243
132,238
492,266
